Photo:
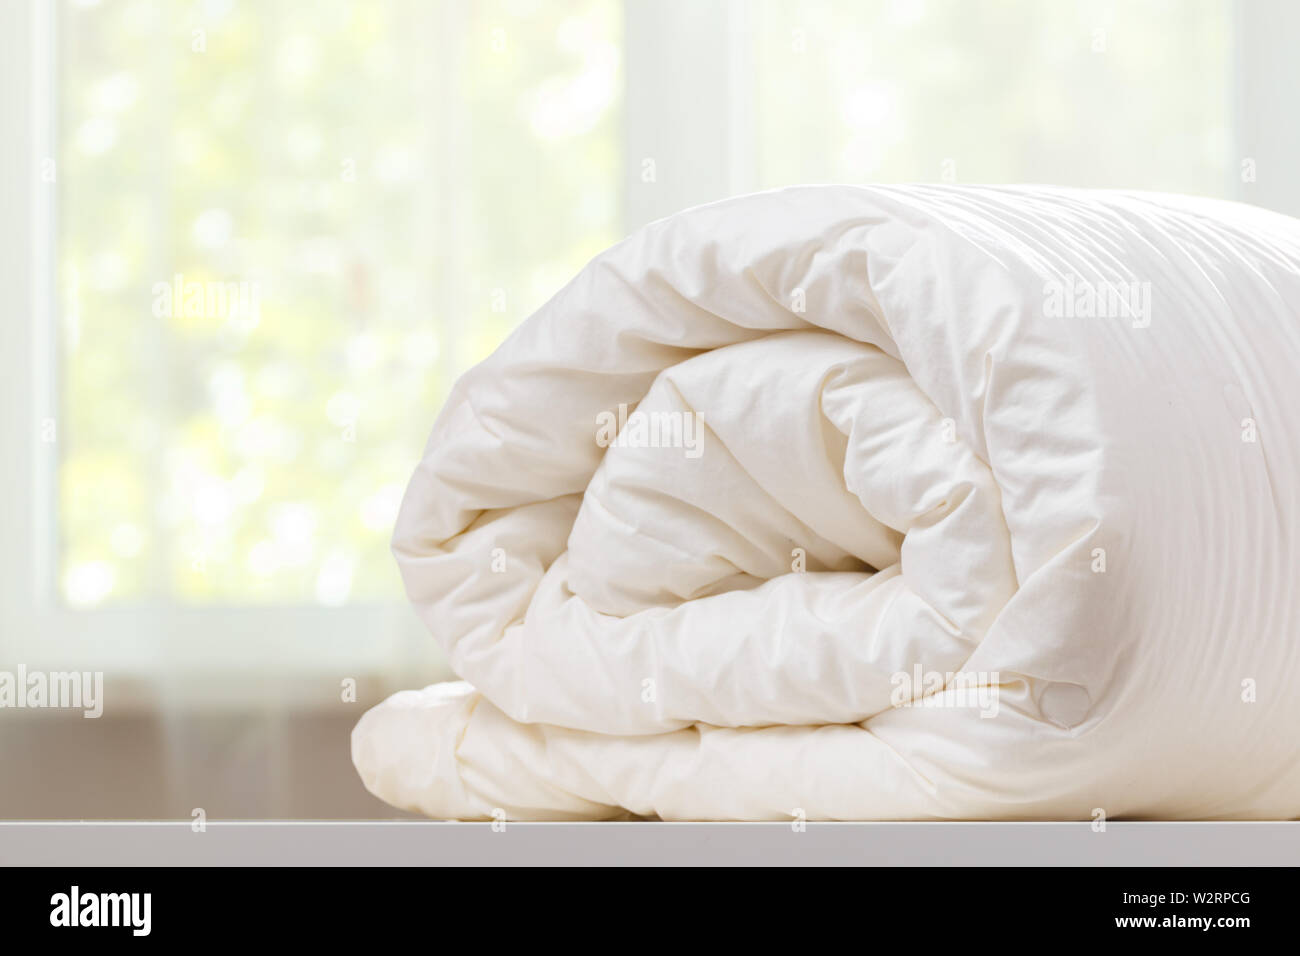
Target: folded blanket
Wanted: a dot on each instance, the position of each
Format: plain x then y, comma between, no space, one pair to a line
872,503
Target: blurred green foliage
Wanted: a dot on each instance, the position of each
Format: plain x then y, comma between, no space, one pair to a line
396,184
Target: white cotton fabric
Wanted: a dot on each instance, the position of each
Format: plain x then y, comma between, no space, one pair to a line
922,452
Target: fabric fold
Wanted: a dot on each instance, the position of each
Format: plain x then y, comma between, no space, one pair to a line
871,503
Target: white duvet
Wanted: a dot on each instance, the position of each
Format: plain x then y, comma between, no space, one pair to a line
870,504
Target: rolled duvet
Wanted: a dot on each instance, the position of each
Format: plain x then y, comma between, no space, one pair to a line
872,504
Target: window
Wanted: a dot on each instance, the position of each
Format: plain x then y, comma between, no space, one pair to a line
1124,95
280,238
250,245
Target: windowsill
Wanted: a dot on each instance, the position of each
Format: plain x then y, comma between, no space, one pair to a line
424,843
